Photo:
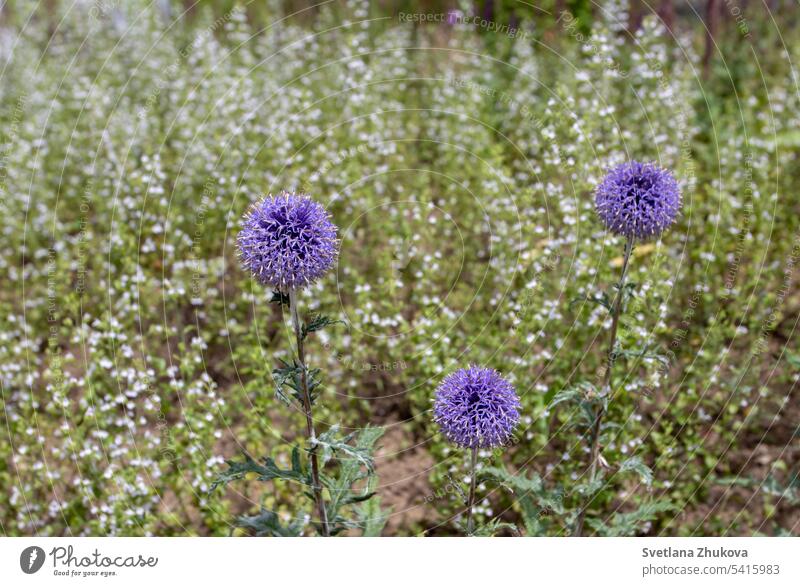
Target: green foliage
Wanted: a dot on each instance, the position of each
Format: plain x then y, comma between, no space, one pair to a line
587,398
493,527
371,517
137,356
635,464
318,323
289,377
264,472
353,483
632,523
267,524
332,443
539,506
771,486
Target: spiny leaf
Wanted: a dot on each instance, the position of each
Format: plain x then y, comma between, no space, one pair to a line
566,396
534,499
352,470
635,464
317,323
586,396
643,354
517,483
590,488
267,524
290,376
331,444
267,470
493,527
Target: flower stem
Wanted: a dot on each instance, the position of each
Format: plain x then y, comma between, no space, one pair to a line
471,500
616,311
312,435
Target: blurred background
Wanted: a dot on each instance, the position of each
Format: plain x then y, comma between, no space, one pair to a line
457,146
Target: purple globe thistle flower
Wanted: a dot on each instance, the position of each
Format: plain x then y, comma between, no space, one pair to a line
476,408
287,241
638,200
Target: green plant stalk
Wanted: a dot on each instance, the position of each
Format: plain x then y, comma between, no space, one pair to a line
594,455
310,432
471,499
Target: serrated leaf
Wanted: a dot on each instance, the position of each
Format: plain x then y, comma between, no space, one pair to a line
566,396
643,354
266,470
289,377
590,488
635,464
534,498
332,444
583,392
493,527
317,323
343,488
267,524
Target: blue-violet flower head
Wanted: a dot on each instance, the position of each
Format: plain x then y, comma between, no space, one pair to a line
287,241
476,408
638,200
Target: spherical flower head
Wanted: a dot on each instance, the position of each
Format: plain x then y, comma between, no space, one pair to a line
476,408
638,200
287,241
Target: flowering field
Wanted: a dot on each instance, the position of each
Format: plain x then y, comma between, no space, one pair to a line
356,272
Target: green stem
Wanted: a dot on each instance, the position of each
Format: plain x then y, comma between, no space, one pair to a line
471,499
310,432
605,391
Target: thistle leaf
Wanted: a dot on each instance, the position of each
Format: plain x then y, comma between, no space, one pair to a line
267,524
493,527
347,487
635,464
266,470
317,323
289,377
630,524
331,444
371,516
534,498
566,396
